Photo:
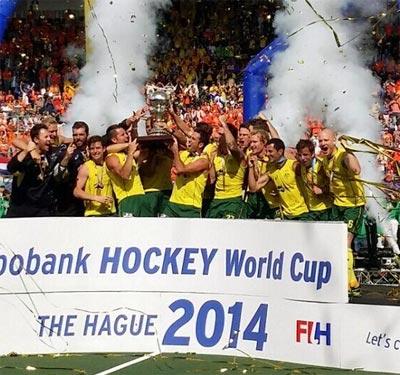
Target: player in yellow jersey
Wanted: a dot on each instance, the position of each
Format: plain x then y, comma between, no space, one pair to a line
191,168
93,185
155,173
343,170
314,182
261,204
123,171
228,171
282,172
154,164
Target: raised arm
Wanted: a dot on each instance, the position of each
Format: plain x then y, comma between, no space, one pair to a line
182,125
123,171
271,129
237,153
116,147
199,165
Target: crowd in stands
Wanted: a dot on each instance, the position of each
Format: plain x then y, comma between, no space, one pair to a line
40,59
387,68
203,59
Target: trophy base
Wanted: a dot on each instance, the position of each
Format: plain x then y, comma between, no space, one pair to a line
155,138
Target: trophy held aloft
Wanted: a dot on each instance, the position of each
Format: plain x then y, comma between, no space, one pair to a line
159,102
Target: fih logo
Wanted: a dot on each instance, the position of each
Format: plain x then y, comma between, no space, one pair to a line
314,332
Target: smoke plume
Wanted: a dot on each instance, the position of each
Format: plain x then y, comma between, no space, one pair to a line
122,34
316,77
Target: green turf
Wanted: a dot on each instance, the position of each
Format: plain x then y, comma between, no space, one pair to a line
165,364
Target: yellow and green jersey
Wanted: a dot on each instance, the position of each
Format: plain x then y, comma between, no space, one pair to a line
347,189
98,183
125,188
230,175
156,174
269,191
189,187
291,198
315,176
209,150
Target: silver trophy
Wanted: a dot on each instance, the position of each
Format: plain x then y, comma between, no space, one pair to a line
159,102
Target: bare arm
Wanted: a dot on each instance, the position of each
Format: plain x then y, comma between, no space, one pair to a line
182,125
180,136
118,147
231,141
253,174
133,120
324,186
199,165
260,183
351,162
212,176
20,143
65,140
123,171
271,129
29,148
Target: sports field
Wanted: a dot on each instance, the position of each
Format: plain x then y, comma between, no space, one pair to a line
162,364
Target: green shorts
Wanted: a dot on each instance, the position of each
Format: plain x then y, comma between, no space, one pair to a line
352,216
181,210
230,208
258,208
135,205
306,216
323,215
157,201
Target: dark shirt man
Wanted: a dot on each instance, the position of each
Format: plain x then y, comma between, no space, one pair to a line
33,184
71,158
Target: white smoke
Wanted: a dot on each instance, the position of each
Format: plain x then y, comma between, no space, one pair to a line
122,34
314,77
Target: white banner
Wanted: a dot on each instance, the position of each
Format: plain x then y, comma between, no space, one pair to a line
334,335
258,327
301,261
371,338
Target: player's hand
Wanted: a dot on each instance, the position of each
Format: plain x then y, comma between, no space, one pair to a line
132,147
104,200
316,190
